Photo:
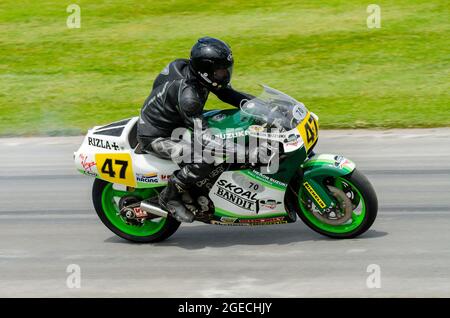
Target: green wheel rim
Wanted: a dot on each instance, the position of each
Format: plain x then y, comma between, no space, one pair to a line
111,210
356,219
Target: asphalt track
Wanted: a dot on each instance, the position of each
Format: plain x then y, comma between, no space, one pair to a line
47,222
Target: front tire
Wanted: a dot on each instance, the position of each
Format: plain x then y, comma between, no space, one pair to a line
365,208
105,199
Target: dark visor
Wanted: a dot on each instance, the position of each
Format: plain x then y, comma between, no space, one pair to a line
223,74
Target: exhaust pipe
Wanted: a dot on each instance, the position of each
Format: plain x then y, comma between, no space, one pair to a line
153,209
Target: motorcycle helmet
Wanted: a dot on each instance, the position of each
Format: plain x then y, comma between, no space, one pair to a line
212,61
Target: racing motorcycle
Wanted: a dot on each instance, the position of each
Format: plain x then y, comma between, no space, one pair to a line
326,191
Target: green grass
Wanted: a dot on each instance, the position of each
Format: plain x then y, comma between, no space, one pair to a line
55,80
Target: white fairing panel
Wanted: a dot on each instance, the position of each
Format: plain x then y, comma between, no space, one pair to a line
106,153
245,196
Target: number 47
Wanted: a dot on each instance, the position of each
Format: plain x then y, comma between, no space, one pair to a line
107,168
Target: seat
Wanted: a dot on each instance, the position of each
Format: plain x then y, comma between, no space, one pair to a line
132,136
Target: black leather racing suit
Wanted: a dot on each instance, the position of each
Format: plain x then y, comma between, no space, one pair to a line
177,100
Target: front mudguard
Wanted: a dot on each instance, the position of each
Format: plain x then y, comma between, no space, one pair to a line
319,167
327,165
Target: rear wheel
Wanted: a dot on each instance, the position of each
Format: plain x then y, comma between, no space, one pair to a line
107,200
354,214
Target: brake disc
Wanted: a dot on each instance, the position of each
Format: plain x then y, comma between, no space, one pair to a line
341,213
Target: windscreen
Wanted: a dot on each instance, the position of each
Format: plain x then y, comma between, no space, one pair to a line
275,109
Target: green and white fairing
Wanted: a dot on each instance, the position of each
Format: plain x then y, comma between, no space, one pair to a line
108,153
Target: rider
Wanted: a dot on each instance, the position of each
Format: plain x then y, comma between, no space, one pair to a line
177,99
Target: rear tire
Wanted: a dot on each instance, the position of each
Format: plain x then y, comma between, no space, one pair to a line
101,198
368,198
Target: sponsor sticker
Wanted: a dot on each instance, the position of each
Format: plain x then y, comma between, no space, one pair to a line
139,212
267,178
235,134
292,140
341,162
100,143
269,203
151,177
255,129
243,192
164,177
239,196
314,194
87,165
266,220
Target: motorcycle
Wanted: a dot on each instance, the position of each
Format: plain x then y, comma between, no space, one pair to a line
326,191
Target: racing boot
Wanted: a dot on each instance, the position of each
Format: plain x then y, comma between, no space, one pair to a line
171,200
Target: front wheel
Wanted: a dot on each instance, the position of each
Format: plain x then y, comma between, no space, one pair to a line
107,200
355,213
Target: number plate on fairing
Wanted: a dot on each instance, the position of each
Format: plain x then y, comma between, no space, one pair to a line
116,168
309,130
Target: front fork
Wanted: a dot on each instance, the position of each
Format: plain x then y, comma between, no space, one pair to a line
317,191
319,194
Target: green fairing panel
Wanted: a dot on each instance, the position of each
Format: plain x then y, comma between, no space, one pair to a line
327,165
227,119
233,118
319,167
143,185
289,165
